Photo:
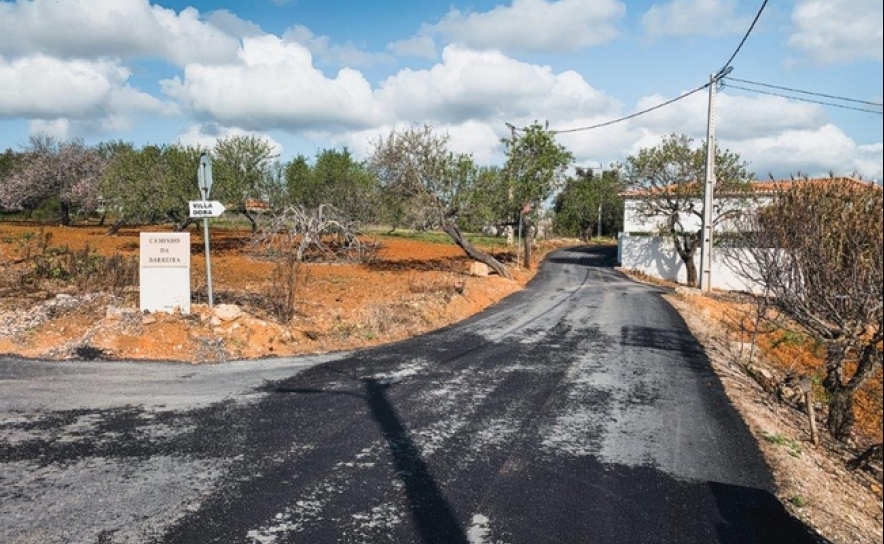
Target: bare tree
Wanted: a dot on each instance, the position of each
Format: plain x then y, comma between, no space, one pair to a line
817,251
323,230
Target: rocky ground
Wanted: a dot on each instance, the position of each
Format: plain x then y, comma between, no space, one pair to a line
411,287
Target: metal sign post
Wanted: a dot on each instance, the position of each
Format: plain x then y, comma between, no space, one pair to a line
204,179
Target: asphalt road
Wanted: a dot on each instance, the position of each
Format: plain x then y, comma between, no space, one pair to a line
579,410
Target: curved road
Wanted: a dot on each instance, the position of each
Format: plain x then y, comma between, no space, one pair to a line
579,410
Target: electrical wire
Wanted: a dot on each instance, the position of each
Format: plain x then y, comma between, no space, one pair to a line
805,99
743,41
843,98
726,69
633,115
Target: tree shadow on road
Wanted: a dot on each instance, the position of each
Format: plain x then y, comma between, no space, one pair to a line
433,515
431,512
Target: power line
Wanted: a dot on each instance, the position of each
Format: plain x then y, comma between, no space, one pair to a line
633,115
805,99
743,41
721,73
843,98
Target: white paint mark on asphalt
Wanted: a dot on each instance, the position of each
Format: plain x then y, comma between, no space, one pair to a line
382,517
480,531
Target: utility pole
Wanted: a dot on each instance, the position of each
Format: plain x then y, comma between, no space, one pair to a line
708,190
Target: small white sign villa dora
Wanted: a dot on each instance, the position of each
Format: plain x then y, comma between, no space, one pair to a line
165,272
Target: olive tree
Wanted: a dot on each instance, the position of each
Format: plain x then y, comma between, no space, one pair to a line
148,185
589,203
241,168
668,180
430,185
535,168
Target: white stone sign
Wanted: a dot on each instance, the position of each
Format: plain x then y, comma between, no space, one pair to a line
165,272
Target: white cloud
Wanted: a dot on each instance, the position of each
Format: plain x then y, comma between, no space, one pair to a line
813,152
232,24
111,28
339,55
599,147
274,85
46,88
422,46
207,134
741,117
534,25
869,161
477,139
839,31
773,135
487,85
57,128
694,18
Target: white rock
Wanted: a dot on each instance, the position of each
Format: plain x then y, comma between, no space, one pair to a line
227,312
478,269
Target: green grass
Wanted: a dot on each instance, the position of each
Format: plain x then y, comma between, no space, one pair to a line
439,237
793,446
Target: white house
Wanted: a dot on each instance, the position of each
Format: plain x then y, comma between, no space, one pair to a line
643,249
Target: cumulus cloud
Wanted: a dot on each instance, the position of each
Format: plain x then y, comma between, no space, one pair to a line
47,88
869,161
274,85
813,152
773,135
339,55
232,24
59,129
743,117
533,25
838,31
693,18
422,45
111,28
487,85
205,135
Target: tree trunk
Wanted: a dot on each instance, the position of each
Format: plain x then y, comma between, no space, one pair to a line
686,250
118,224
180,227
252,221
841,419
874,452
475,253
526,241
65,210
691,271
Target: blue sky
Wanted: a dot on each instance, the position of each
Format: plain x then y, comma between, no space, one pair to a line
311,75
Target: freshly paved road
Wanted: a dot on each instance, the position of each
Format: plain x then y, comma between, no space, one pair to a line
579,410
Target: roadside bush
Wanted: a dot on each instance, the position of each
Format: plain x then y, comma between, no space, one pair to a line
83,269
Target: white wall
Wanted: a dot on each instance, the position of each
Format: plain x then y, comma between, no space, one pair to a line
634,221
656,257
